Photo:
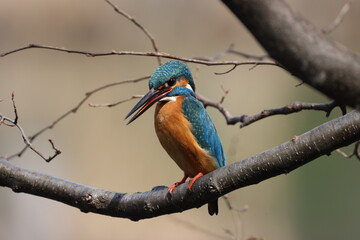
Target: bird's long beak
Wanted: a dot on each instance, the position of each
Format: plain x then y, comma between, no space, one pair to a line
146,102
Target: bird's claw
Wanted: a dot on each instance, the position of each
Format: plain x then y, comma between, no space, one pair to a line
193,180
172,187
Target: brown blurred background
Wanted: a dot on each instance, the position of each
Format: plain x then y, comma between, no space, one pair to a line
317,201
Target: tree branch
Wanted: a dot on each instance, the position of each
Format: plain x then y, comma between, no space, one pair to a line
144,54
291,108
142,28
135,206
304,51
294,107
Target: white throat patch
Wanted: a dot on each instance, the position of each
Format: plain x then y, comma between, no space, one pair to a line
174,98
189,87
169,99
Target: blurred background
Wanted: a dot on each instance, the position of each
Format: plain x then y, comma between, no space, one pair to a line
317,201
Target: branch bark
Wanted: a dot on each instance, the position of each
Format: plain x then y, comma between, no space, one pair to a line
135,206
303,50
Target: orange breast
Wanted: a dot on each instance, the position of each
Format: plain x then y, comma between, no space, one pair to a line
174,133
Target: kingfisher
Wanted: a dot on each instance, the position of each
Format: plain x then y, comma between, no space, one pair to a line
182,124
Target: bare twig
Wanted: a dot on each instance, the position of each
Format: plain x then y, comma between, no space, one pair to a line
231,50
226,72
216,56
246,120
14,107
249,56
339,18
142,28
9,122
73,110
251,68
145,54
299,84
292,108
226,92
355,153
116,103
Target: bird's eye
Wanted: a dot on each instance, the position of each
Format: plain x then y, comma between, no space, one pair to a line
171,82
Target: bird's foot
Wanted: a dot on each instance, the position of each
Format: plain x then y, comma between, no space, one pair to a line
172,187
192,181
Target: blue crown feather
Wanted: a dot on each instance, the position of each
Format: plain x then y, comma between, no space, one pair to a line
168,70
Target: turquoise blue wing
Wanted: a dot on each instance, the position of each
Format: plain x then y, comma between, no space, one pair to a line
203,128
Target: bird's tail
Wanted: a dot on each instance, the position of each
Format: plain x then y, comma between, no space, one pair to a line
213,207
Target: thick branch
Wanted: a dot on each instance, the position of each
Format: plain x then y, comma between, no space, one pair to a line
301,49
281,159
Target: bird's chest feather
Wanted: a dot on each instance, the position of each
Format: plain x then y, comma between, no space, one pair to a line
175,134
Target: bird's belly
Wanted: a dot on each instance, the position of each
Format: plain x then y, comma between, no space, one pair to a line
174,133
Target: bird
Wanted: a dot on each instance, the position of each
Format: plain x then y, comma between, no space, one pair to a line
182,124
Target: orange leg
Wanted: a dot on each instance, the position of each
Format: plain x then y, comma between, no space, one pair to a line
172,187
192,181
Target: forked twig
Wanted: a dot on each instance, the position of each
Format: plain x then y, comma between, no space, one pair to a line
142,28
73,110
292,108
246,120
231,50
14,123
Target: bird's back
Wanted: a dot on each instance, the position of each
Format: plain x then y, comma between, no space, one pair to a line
203,129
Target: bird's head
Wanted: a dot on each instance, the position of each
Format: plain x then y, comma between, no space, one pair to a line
162,82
